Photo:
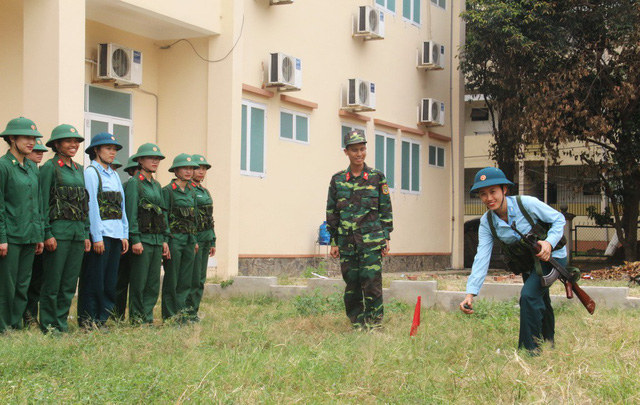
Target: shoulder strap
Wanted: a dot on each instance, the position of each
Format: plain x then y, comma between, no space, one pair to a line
492,226
99,178
524,211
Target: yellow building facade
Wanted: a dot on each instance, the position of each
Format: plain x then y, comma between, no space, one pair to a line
198,81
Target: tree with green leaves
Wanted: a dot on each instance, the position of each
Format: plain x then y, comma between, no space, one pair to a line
555,72
592,98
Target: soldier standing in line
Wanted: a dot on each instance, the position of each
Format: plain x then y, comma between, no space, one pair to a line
109,233
66,227
206,237
21,232
359,220
124,270
180,199
148,231
30,316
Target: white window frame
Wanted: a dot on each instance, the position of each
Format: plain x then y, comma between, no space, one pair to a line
444,157
386,8
413,12
353,127
252,104
386,135
411,143
437,4
295,114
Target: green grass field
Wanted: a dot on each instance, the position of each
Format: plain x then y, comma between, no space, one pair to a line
261,350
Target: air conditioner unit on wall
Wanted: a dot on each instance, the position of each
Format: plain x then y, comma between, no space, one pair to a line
431,112
431,56
278,2
285,72
370,23
360,95
119,63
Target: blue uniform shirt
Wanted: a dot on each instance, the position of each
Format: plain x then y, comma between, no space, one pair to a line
539,212
112,228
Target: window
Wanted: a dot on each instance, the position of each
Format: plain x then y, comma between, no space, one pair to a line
410,166
387,4
252,143
411,10
294,126
385,156
440,3
346,128
479,114
436,156
109,111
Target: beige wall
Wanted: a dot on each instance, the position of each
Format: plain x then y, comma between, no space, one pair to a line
282,211
11,49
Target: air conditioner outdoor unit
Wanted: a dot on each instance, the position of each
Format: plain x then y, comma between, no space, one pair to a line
284,72
431,56
431,112
360,95
120,63
278,2
370,23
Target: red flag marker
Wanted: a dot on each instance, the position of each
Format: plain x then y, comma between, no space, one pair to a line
416,318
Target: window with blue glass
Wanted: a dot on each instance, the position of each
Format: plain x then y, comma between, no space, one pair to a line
385,156
252,142
294,126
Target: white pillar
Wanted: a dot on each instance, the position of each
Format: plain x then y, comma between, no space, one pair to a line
54,53
223,139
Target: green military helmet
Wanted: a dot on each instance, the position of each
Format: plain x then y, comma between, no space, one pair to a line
354,137
63,131
489,176
116,164
39,146
201,161
183,160
21,126
147,150
131,165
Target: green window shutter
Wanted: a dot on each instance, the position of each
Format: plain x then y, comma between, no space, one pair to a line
415,167
380,153
302,128
391,162
391,5
109,102
441,157
243,139
432,155
406,9
381,2
345,131
256,163
416,11
286,125
406,165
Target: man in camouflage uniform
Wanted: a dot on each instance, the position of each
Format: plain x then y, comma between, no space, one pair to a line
359,220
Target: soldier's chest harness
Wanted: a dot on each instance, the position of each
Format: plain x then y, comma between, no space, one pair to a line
67,202
109,202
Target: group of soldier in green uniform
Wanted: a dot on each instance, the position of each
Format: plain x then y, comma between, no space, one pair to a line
61,223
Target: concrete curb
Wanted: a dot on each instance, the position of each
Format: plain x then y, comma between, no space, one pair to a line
408,291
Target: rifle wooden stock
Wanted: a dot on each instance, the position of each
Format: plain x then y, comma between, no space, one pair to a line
565,277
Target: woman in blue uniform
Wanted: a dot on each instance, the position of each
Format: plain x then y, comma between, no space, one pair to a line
537,322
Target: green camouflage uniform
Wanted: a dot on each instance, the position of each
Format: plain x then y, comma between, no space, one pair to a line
359,220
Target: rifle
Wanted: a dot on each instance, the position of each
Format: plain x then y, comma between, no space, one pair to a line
569,286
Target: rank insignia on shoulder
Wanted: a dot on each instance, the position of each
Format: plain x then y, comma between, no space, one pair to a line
385,189
193,184
60,162
365,176
348,176
141,176
173,186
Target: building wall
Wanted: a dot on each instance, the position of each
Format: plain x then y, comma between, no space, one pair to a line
282,211
11,64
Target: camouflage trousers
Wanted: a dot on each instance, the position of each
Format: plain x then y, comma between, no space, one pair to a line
363,295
